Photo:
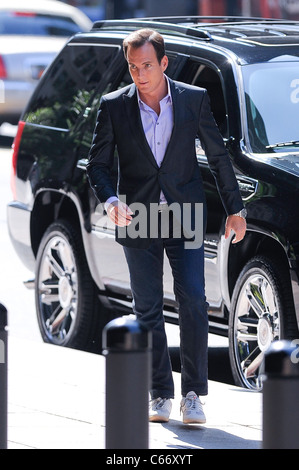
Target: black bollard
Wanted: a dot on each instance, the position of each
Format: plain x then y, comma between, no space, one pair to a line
127,348
3,377
280,396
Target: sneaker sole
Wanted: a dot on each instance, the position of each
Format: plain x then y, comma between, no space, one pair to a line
158,419
194,421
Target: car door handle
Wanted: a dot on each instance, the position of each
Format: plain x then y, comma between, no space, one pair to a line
247,186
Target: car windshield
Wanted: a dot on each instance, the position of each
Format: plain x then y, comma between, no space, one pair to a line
272,106
22,23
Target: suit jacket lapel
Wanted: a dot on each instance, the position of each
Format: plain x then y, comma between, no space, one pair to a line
176,94
135,123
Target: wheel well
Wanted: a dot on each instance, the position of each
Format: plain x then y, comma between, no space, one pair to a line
253,244
50,206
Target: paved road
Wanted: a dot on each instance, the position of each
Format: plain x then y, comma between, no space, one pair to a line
20,301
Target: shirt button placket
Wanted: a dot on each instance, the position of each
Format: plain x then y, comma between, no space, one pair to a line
158,143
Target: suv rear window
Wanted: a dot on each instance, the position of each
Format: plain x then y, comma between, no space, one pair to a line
70,85
35,24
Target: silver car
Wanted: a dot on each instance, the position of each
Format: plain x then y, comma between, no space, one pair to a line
31,35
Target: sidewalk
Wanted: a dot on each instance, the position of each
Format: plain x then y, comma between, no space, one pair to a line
56,400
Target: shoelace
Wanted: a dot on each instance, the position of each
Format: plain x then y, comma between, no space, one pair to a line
158,402
190,403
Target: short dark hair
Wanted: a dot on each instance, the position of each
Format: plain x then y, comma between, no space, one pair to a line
140,37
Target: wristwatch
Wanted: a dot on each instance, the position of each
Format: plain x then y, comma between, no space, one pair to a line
242,213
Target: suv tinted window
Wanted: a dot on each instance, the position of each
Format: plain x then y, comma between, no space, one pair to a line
70,85
272,91
200,74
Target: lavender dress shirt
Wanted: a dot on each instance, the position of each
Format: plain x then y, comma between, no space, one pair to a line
157,130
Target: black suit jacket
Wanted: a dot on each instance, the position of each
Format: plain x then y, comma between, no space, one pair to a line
140,179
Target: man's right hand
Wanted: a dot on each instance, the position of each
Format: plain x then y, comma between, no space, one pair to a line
119,213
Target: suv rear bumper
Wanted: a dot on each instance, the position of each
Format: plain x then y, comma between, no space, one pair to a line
18,221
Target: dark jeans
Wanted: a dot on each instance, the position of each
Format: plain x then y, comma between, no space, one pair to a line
146,272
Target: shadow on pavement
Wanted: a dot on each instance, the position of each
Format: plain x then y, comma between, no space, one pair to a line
195,436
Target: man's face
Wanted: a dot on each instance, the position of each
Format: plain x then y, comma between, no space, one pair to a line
145,70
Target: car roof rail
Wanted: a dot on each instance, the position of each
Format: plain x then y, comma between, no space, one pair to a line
217,20
161,24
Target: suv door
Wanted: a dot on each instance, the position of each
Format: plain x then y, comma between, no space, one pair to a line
67,307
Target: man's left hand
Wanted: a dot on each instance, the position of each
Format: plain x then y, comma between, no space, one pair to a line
236,224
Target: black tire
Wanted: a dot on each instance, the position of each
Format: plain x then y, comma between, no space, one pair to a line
261,312
68,310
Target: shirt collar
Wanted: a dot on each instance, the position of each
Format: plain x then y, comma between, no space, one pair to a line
167,98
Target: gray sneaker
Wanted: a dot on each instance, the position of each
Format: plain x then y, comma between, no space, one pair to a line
160,409
192,410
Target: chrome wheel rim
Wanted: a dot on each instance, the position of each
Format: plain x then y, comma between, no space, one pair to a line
58,290
257,325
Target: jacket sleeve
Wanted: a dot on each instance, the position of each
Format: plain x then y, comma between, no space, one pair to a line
101,155
218,159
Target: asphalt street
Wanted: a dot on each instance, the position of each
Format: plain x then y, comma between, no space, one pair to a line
19,301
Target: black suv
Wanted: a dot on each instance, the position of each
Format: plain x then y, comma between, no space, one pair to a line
250,68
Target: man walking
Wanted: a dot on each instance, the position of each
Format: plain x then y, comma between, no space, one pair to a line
154,123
